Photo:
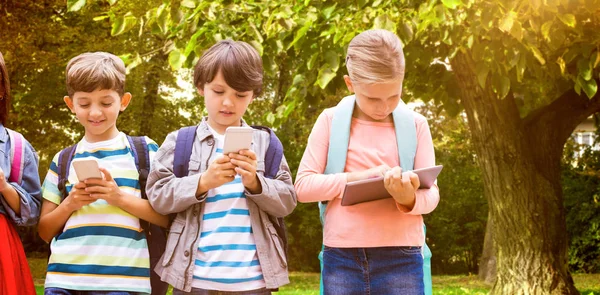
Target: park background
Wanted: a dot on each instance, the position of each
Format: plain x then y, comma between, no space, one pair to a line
503,84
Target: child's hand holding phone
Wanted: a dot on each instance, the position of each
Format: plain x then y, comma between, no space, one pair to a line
219,172
245,165
98,182
105,188
78,197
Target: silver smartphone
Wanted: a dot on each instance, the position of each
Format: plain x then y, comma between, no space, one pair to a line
237,138
86,168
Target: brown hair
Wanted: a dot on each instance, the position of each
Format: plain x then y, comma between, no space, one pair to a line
5,91
95,70
238,61
375,56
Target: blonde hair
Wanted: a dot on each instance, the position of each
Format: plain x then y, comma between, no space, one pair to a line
238,61
95,70
375,56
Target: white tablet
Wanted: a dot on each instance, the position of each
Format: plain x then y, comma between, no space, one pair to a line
373,189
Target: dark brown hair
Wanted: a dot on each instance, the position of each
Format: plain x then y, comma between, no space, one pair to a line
238,61
95,70
4,91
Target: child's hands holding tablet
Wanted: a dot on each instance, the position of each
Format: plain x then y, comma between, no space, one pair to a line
402,186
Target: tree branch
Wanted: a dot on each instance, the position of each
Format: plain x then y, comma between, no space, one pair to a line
563,114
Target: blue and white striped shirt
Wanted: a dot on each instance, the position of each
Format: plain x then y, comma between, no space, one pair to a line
227,259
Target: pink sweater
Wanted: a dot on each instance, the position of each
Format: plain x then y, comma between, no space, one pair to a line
371,224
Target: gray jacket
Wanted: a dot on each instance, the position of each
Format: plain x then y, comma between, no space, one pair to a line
168,194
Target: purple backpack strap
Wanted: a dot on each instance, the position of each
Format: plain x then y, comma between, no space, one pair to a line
274,153
64,163
183,150
17,156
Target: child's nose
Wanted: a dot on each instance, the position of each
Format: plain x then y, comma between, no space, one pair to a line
95,112
228,101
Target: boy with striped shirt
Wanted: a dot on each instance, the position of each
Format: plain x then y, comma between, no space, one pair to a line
223,240
97,242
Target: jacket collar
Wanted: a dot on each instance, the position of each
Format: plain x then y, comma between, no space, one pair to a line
202,132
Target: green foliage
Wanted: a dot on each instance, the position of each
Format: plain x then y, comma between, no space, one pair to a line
581,183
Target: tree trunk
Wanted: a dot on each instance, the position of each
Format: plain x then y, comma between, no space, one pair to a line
521,174
487,265
157,64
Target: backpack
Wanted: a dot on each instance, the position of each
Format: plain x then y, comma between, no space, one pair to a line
17,156
155,235
273,157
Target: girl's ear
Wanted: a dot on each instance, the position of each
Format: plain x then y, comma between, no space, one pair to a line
69,101
348,83
125,100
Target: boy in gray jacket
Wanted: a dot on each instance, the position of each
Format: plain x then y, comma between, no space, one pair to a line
222,238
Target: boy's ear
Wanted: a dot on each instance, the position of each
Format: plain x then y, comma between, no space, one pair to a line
69,101
348,83
200,91
125,100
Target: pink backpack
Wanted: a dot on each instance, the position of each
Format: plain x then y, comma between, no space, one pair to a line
17,156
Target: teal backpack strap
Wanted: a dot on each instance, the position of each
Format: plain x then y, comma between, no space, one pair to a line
426,252
406,136
339,137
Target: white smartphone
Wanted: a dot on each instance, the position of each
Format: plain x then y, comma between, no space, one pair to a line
86,168
237,138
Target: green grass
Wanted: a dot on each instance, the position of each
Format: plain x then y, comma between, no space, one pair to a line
308,283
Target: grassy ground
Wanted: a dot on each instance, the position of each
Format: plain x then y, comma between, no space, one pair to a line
308,283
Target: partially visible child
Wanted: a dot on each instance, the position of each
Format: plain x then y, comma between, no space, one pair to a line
372,247
20,198
97,242
223,238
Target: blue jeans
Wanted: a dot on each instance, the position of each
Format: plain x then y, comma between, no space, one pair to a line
381,270
59,291
215,292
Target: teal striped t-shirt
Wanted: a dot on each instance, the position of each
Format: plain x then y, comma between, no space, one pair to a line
102,247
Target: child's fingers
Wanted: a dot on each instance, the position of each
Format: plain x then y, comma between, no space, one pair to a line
227,173
242,157
244,173
414,180
82,196
95,182
88,198
405,179
79,185
249,154
396,173
226,166
387,178
248,166
96,189
107,175
222,159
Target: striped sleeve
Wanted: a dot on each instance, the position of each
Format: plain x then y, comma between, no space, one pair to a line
50,190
